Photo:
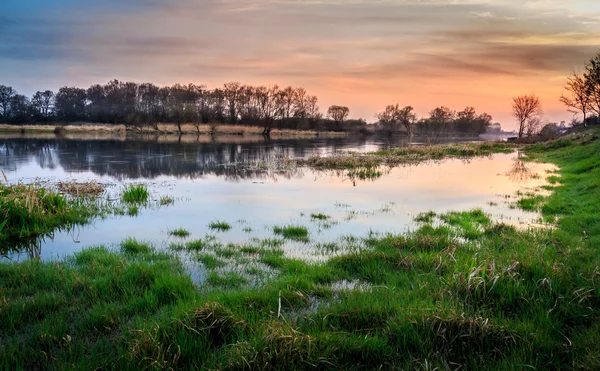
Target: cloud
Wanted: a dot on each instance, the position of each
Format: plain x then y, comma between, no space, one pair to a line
376,48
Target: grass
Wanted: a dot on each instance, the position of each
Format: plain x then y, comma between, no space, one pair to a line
465,294
133,210
166,200
180,232
137,194
219,226
319,216
365,165
292,232
32,210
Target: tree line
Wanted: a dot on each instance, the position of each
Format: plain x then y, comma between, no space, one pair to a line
147,105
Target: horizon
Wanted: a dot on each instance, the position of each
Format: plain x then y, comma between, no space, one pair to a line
361,54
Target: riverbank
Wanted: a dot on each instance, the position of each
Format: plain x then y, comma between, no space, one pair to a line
165,130
460,291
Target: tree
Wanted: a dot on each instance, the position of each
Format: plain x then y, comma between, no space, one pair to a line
70,103
231,92
43,103
579,97
270,106
19,108
394,117
526,108
592,77
338,114
6,94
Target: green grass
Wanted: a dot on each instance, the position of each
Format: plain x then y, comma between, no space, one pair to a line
180,232
427,217
465,294
319,216
365,165
137,194
292,232
133,210
219,226
166,200
31,210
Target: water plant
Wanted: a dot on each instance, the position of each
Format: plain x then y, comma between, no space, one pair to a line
33,210
135,194
166,200
180,232
319,216
219,226
292,232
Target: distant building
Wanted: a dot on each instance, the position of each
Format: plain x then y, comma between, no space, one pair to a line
495,128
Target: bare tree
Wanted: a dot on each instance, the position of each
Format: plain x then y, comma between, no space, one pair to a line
231,92
338,114
592,77
580,95
393,117
526,108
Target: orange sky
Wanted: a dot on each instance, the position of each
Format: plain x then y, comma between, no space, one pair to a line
359,53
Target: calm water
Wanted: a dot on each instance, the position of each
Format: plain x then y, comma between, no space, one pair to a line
236,181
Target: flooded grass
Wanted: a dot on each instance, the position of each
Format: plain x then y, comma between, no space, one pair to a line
166,200
464,293
180,232
319,216
135,194
220,226
367,164
292,232
32,210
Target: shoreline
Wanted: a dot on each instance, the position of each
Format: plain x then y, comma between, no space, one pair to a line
165,129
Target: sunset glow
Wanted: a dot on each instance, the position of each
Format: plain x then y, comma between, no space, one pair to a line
363,54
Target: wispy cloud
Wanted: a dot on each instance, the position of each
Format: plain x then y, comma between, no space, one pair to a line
366,53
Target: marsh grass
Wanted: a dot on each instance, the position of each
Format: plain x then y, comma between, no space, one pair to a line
319,216
31,210
219,226
136,194
166,200
180,232
292,232
133,210
367,164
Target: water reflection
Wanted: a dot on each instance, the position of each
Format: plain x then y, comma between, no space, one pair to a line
519,171
148,159
243,180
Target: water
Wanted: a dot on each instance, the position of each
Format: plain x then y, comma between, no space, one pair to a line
234,180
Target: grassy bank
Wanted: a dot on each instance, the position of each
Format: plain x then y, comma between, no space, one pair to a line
163,129
459,292
406,155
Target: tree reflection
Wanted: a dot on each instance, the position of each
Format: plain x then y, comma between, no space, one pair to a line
151,158
519,172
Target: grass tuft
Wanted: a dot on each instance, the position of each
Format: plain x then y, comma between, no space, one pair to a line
219,226
136,194
180,232
292,232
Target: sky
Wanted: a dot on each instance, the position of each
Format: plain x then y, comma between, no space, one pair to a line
364,54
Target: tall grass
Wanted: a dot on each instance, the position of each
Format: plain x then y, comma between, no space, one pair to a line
136,194
32,210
